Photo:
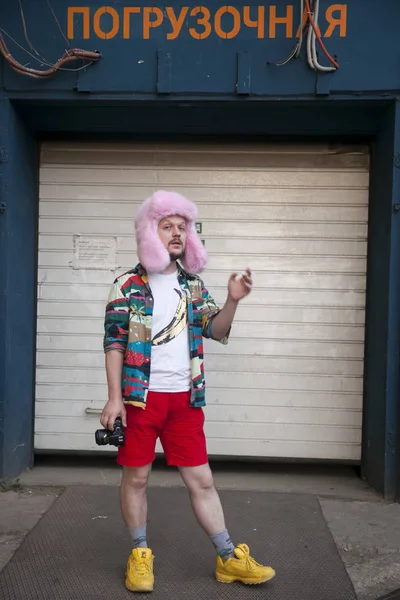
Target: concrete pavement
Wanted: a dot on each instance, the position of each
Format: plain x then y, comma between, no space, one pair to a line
366,529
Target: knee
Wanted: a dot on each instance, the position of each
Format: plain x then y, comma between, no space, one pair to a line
207,483
134,478
203,482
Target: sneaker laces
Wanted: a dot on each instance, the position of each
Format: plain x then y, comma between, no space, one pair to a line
141,566
248,560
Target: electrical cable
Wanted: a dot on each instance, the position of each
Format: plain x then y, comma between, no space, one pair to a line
58,23
72,54
318,37
41,61
300,42
311,46
313,35
68,56
296,50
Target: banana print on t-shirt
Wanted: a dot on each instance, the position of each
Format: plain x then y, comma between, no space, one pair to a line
176,326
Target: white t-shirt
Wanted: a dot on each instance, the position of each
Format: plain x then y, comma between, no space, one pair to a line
170,354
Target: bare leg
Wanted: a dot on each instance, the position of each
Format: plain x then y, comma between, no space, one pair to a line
133,495
232,564
139,575
204,498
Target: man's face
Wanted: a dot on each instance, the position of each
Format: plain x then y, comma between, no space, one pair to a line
172,233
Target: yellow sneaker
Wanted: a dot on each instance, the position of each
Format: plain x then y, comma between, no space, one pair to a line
242,568
139,571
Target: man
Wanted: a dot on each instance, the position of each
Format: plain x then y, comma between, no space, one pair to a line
156,317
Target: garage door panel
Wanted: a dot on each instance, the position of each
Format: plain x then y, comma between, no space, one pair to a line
294,365
69,391
291,263
289,416
306,264
247,211
72,185
296,281
93,226
273,431
258,448
58,343
282,431
289,280
268,448
247,311
290,382
269,415
285,398
246,381
223,362
241,178
266,246
233,413
323,383
200,159
288,347
74,400
70,292
237,346
224,263
263,330
288,229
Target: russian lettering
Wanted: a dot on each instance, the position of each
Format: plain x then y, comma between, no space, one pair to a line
204,21
151,23
340,21
259,23
274,20
115,22
128,11
176,22
227,35
72,10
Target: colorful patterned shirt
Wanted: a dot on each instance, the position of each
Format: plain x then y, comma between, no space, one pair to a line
128,327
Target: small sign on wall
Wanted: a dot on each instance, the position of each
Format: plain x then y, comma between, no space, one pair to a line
92,252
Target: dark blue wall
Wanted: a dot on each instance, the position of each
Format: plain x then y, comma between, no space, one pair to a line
18,194
381,458
367,50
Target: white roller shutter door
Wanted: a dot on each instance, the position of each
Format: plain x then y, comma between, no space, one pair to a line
290,382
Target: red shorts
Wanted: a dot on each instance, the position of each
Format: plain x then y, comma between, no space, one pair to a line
179,426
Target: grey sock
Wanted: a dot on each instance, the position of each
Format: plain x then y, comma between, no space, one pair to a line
223,544
138,535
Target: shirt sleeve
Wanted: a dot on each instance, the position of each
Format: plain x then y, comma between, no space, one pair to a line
210,309
116,322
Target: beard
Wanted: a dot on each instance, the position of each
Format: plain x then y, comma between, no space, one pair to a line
176,255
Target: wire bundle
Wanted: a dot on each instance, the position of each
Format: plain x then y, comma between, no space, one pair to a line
72,54
311,29
69,55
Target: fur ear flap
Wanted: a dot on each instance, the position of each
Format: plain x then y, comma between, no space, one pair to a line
195,259
151,251
152,254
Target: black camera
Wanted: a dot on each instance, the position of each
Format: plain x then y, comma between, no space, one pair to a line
114,437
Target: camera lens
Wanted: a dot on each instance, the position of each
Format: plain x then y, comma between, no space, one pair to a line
101,437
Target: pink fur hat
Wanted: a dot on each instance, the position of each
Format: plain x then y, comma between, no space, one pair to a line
152,254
